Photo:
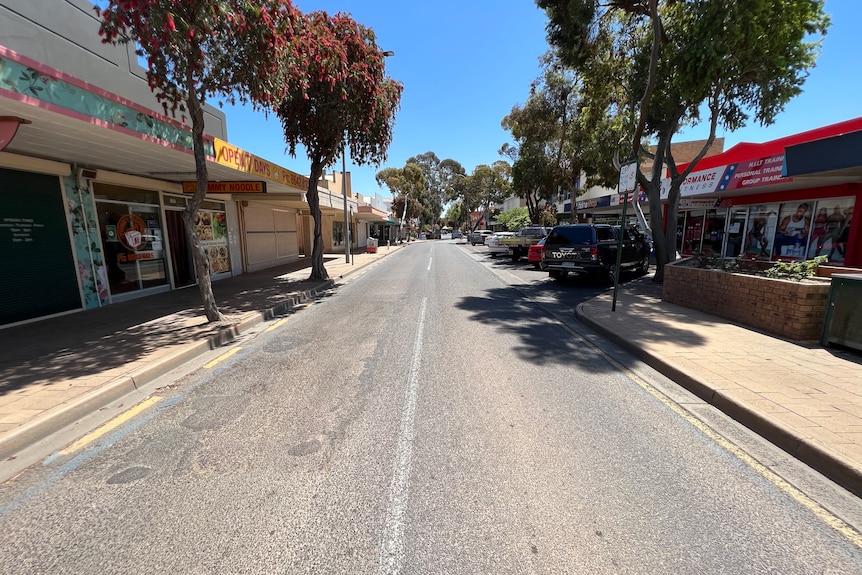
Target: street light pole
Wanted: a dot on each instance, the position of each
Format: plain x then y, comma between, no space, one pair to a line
344,195
387,53
344,189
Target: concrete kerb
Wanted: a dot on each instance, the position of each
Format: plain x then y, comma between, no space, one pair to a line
788,440
120,386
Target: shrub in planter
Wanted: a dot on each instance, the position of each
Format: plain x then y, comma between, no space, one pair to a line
796,270
791,309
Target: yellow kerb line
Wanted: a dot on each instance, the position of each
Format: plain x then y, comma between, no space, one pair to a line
823,514
111,425
277,324
835,522
222,357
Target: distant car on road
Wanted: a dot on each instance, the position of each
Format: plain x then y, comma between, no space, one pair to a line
456,234
478,236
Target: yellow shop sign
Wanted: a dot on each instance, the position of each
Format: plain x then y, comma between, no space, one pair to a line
228,187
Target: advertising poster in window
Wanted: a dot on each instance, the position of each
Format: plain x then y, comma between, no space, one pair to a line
211,229
760,231
792,234
831,228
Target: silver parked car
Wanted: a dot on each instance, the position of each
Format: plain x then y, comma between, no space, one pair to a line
478,236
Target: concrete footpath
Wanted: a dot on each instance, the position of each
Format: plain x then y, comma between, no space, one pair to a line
55,371
806,399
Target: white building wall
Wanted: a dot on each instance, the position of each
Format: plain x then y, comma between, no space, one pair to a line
64,35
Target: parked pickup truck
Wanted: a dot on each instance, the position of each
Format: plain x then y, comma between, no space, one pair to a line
519,244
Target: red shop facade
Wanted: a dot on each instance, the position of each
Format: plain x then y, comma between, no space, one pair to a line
793,198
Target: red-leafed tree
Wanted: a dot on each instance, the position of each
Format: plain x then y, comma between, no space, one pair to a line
348,99
236,49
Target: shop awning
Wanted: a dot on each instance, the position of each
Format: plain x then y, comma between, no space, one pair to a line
369,214
837,156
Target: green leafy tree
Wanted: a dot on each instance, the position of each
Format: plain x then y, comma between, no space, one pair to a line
549,155
487,185
439,179
514,218
456,215
650,67
406,185
346,99
236,49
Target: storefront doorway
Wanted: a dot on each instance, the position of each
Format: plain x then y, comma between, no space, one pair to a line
182,265
211,230
133,247
735,231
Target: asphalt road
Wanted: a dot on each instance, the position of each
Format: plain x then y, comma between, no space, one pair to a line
434,414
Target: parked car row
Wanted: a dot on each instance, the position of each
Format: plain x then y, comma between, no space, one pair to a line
584,249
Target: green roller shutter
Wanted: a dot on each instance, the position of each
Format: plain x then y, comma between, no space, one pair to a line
37,270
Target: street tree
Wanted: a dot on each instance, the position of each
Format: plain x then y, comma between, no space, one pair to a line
487,185
456,214
406,185
441,176
345,100
549,154
653,67
235,49
514,218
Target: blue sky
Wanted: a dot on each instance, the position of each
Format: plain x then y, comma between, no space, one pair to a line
465,63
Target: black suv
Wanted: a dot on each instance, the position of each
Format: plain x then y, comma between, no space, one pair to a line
592,249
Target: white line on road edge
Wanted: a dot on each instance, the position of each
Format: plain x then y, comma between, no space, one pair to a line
392,544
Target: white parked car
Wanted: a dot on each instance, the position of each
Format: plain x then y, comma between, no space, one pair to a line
492,242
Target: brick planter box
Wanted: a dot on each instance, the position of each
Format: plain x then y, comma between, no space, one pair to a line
788,309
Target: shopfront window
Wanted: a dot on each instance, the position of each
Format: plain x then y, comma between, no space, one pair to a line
793,232
693,232
713,231
830,228
760,230
337,234
211,229
734,235
133,246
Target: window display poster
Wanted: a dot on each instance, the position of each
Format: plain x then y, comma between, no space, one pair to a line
792,234
211,229
830,228
760,231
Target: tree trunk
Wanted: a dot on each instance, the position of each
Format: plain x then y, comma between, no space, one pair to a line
318,270
201,259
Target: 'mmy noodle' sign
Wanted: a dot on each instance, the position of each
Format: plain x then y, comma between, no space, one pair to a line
228,187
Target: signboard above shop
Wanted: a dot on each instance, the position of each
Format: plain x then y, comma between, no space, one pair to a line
739,176
233,157
228,187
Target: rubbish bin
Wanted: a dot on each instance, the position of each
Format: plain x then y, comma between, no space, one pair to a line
371,247
843,323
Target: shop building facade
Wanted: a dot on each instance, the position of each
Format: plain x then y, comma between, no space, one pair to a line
788,199
94,181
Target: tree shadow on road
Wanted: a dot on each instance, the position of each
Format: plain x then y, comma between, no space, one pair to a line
533,312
